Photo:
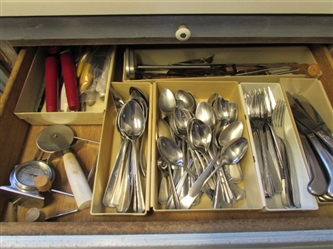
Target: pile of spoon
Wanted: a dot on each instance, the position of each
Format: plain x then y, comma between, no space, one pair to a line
124,186
200,145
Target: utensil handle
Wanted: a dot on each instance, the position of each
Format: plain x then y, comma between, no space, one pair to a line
139,207
286,194
226,185
318,183
257,144
121,179
326,139
51,84
325,159
173,189
142,159
199,157
125,192
109,198
311,70
293,177
77,181
68,72
163,193
267,174
62,214
204,177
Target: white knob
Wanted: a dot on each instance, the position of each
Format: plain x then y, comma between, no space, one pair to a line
183,33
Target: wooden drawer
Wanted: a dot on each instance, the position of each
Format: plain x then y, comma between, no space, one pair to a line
18,145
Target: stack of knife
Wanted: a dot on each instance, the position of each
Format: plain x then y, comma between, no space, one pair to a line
317,142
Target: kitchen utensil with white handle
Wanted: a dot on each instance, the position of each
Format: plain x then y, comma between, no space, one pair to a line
59,138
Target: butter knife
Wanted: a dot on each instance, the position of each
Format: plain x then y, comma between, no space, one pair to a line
318,183
306,121
327,162
312,112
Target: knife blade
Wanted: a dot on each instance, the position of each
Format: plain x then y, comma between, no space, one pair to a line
306,121
312,112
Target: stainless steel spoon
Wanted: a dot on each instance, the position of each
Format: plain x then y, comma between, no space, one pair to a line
166,153
233,109
139,96
166,101
132,124
187,99
206,114
163,129
231,154
199,135
163,193
231,131
172,154
213,97
181,117
221,108
199,138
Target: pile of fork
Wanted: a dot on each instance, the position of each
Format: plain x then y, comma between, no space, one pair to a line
276,166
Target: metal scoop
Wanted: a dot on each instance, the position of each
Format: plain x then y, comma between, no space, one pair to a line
59,138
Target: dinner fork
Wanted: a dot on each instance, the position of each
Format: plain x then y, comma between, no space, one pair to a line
257,119
290,194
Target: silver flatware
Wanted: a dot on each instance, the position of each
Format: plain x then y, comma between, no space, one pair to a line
306,121
312,112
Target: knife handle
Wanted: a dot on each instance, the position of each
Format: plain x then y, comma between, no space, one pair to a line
325,159
51,84
267,174
318,183
68,72
77,181
326,139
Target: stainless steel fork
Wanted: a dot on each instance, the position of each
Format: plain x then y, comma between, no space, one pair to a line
257,119
290,194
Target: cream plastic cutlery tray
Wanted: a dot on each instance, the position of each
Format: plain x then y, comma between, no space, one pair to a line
110,142
202,90
31,105
307,201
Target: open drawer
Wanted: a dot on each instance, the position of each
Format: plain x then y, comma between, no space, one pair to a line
18,145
